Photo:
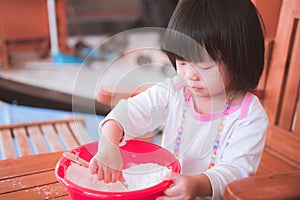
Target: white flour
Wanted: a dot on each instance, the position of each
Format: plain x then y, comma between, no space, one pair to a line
137,177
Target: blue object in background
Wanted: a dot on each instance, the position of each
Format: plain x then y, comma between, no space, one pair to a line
64,58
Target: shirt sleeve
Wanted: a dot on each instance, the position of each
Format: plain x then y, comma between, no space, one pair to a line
143,112
241,154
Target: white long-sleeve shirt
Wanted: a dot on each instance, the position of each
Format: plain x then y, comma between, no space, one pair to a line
242,139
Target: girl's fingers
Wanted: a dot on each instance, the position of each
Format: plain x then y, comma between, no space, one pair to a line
172,191
93,167
121,177
173,176
107,174
115,176
176,190
168,176
100,174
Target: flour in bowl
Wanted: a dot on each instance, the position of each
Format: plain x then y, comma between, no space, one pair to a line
138,176
81,176
143,176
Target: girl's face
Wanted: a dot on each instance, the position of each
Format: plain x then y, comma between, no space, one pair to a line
204,79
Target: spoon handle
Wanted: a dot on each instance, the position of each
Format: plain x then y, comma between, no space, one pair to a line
76,158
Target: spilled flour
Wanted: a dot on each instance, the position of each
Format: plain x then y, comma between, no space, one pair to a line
137,177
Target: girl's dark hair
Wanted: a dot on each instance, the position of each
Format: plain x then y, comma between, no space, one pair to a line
230,32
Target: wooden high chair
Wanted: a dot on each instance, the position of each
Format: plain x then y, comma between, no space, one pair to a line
278,176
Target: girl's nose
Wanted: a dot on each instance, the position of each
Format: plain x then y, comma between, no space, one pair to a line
192,74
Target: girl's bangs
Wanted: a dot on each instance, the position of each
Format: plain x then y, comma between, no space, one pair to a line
182,47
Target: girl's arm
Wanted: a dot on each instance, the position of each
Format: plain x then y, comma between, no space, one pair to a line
113,131
133,117
107,163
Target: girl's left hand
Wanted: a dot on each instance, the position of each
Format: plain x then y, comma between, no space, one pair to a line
185,187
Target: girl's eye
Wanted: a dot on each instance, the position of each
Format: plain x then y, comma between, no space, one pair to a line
181,63
207,66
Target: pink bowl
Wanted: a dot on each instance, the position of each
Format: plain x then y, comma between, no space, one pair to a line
133,152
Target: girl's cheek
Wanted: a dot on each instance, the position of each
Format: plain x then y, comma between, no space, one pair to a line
180,71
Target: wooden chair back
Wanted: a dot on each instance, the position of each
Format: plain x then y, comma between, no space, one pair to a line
281,97
278,175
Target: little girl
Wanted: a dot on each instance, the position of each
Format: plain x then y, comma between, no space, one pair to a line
212,122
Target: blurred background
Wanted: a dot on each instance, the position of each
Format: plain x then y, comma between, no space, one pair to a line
43,44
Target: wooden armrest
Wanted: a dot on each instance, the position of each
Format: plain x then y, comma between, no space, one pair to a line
273,186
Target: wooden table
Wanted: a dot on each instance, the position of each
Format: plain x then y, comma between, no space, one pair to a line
31,177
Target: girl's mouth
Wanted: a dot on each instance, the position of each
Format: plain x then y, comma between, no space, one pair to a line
196,89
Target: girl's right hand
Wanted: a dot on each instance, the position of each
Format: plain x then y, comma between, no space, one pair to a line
107,162
104,172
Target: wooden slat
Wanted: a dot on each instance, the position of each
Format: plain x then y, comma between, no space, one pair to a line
279,58
66,135
36,123
22,141
66,197
27,165
270,163
39,193
45,136
80,132
290,96
37,139
6,144
263,170
27,181
297,122
285,143
51,137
